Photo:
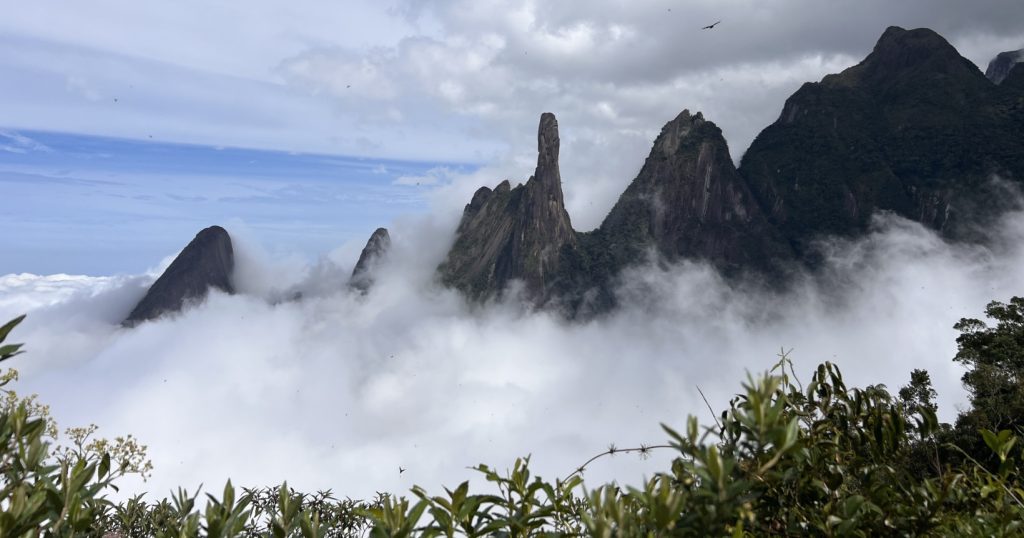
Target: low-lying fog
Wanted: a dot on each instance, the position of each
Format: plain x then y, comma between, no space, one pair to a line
339,390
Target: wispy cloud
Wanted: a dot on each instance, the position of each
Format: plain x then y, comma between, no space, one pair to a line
13,142
434,176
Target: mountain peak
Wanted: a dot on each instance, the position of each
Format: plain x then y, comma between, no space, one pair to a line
547,178
898,40
686,117
911,51
547,140
375,249
206,262
914,128
675,131
688,201
509,234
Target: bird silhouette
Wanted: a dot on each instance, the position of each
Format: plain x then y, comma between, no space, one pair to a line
711,26
400,470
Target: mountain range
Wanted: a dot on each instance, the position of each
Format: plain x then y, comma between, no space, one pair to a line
914,129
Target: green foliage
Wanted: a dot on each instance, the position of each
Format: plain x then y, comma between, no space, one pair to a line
9,350
823,459
50,489
919,394
994,357
42,496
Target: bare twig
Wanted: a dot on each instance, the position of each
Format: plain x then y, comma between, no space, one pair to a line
643,450
719,424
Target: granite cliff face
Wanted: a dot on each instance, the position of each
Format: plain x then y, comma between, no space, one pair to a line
376,247
1000,66
515,234
688,201
915,129
206,262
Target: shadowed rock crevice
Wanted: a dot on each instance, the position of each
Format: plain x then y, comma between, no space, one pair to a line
206,262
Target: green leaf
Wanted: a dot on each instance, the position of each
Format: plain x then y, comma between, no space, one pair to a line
6,329
104,465
9,351
991,440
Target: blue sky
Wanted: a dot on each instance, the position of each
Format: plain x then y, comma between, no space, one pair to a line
122,106
96,205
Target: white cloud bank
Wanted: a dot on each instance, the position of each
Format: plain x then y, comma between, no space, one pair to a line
339,390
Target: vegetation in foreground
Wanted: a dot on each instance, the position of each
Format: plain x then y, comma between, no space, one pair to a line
820,459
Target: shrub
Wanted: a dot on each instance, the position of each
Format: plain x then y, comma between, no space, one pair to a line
822,459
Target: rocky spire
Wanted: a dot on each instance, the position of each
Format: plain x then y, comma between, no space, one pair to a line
547,176
688,201
519,233
376,247
206,262
914,129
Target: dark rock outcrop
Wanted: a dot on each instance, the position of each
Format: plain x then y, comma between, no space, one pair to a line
1014,83
515,234
1000,66
688,201
915,129
376,247
206,262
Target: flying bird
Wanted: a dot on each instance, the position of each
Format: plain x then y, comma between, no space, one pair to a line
711,26
400,470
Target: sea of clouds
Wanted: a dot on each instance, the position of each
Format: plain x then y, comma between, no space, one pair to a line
338,390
